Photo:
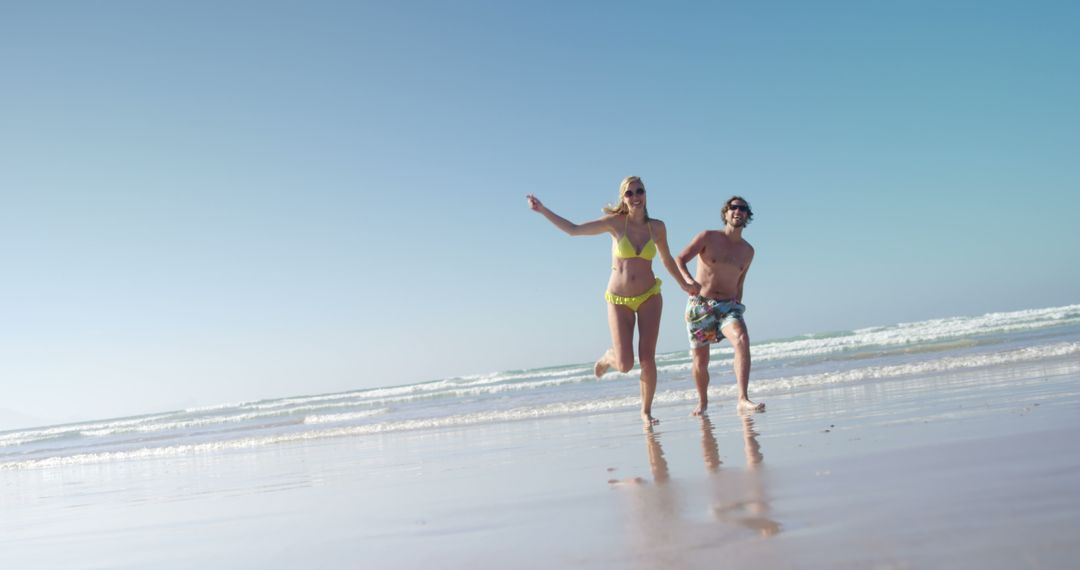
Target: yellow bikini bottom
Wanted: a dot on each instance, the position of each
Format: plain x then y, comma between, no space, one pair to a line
633,303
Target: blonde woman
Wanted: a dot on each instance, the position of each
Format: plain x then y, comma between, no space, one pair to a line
633,291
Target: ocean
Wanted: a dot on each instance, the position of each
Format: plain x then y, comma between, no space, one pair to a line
1048,338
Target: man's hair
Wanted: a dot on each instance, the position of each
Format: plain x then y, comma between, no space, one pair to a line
727,206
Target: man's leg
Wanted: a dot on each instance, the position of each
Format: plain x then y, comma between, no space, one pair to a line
740,341
701,378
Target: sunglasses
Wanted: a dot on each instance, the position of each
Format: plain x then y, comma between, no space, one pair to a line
630,193
739,208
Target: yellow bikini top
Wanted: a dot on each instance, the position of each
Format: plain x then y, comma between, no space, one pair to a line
623,249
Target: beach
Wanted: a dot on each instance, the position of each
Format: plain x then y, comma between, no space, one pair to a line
941,466
294,285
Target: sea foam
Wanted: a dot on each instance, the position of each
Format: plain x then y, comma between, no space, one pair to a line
938,346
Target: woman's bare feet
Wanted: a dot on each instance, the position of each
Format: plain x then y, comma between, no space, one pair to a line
745,405
603,364
647,419
700,409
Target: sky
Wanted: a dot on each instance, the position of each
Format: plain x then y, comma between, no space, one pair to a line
211,202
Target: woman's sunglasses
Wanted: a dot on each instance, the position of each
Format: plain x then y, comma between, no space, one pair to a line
630,193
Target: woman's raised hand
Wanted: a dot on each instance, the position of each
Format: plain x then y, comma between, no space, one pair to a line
534,203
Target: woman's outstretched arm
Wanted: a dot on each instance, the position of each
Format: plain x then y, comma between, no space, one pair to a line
592,228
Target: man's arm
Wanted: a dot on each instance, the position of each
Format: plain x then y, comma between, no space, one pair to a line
697,245
742,277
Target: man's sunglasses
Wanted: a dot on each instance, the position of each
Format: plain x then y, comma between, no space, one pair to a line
630,193
739,208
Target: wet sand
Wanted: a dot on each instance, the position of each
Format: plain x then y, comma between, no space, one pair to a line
979,469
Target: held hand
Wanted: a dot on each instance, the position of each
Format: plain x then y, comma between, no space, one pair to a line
534,203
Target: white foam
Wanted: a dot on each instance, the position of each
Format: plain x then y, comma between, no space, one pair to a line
21,437
935,330
346,417
356,405
178,425
155,424
901,335
561,408
938,366
778,385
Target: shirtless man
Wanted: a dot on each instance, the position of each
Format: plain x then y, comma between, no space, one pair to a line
715,310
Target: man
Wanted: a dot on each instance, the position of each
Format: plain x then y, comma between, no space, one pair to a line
715,310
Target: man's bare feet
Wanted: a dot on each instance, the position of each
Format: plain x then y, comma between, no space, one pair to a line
647,419
748,406
603,364
700,409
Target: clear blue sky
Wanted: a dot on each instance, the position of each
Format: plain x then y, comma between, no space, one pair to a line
205,202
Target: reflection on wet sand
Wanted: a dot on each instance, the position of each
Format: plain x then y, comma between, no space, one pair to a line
709,446
657,464
744,503
666,514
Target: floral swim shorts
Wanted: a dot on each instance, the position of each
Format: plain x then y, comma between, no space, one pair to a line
705,317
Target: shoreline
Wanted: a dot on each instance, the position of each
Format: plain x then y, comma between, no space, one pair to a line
968,469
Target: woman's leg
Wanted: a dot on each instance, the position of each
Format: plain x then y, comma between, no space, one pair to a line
649,329
621,353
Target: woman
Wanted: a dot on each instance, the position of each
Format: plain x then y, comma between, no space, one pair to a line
633,292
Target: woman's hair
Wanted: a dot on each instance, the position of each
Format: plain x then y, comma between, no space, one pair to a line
620,207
